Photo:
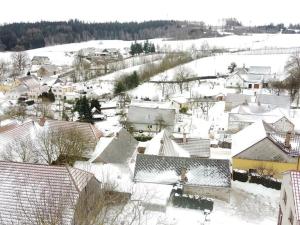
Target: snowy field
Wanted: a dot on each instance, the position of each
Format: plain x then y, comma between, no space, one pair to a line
63,54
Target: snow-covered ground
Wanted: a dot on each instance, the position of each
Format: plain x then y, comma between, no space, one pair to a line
63,54
250,204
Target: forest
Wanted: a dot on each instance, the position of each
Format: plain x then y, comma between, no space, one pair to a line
24,36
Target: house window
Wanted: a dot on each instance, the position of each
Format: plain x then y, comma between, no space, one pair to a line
291,218
256,86
284,197
249,85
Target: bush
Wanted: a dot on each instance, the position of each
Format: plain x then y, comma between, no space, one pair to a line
268,182
143,138
126,83
191,202
183,109
240,175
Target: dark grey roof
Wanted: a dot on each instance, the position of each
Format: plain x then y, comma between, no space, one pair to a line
167,170
117,149
237,98
195,146
150,115
282,101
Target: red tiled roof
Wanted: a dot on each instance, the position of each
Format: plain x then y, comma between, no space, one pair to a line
295,178
27,190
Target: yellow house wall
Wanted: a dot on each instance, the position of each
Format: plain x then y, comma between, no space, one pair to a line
245,164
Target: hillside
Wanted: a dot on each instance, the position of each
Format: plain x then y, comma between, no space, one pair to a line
24,36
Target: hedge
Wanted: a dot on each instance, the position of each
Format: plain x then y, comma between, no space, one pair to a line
240,176
265,181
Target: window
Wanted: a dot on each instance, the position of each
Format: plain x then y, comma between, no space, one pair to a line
291,218
284,197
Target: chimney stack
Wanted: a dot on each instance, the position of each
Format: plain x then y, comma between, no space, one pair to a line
161,147
183,177
141,150
42,121
184,140
287,141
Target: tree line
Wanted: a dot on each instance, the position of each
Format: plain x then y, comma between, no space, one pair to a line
23,36
138,48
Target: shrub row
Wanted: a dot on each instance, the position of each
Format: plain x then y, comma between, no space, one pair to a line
243,176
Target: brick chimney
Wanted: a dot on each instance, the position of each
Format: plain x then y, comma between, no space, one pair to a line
183,177
141,150
288,138
184,139
42,121
161,147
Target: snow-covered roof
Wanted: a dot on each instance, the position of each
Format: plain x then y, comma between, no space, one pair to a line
251,108
248,137
162,144
118,175
150,115
259,70
282,101
260,130
28,191
238,98
195,146
29,81
116,149
167,170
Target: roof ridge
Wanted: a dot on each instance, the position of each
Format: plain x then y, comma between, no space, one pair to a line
72,178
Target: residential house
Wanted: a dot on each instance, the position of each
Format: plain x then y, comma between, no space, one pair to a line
40,60
47,70
117,148
151,118
235,79
196,147
244,115
198,176
29,130
234,100
261,146
256,77
30,193
162,144
289,203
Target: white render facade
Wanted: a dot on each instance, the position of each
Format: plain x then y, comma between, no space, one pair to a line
287,208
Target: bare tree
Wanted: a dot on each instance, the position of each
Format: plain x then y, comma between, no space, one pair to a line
292,83
20,61
61,146
20,150
160,123
181,75
277,86
16,112
4,68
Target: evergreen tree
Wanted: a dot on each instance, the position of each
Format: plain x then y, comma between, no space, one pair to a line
146,47
152,48
95,103
83,108
119,87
